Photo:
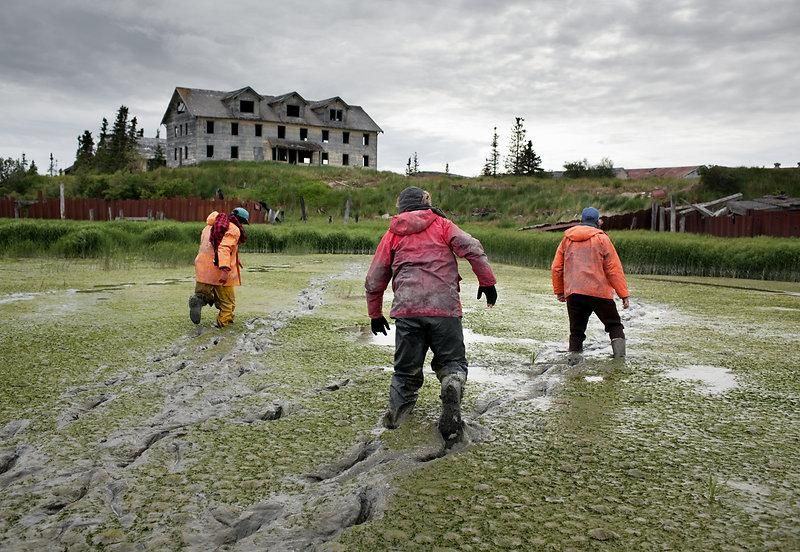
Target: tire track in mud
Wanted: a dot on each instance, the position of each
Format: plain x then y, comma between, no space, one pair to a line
210,390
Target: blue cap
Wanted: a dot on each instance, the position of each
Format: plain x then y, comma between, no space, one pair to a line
590,217
242,215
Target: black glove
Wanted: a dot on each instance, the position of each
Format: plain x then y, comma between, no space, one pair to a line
379,325
491,294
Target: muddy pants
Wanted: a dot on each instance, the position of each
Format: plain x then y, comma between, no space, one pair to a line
581,307
222,297
413,337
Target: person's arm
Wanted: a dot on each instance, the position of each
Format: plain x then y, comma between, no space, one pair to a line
224,254
557,272
378,276
612,266
467,247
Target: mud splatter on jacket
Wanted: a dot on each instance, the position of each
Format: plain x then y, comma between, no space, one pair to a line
586,263
418,254
228,252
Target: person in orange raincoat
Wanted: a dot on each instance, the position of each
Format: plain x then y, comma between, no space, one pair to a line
586,272
217,266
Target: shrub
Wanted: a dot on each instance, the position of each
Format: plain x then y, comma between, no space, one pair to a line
85,242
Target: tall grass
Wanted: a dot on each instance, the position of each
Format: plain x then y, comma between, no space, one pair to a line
170,243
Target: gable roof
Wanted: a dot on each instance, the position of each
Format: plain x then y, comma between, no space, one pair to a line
211,104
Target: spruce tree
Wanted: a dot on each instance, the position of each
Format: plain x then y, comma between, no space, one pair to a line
33,168
84,158
102,154
516,144
530,163
494,156
51,170
416,164
408,167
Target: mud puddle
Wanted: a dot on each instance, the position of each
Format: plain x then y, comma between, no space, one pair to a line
267,268
170,281
14,297
363,334
711,380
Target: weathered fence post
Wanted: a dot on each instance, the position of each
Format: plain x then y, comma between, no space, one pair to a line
121,215
62,207
91,214
303,215
672,213
347,205
683,224
662,215
110,216
653,215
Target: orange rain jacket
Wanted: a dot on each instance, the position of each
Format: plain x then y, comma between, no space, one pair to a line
228,253
586,263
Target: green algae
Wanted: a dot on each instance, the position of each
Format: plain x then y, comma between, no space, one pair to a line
619,464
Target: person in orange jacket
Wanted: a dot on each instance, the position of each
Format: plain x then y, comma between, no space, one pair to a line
217,266
586,272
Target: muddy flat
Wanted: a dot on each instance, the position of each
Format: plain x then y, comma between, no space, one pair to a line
125,427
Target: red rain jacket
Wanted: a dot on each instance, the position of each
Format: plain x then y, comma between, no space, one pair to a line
418,254
586,263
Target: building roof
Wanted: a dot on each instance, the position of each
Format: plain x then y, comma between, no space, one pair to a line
303,145
212,104
668,172
766,203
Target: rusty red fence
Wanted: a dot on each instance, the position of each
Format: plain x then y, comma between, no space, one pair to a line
179,208
784,224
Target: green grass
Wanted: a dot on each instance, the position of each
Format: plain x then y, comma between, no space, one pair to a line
175,244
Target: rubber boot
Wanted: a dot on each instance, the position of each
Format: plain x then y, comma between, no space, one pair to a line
450,424
574,358
196,303
618,346
394,417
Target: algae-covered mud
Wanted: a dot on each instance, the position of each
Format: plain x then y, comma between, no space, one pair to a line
124,427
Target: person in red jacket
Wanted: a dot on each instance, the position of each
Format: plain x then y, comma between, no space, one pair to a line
418,254
586,272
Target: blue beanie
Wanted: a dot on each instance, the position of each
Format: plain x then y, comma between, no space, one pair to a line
590,217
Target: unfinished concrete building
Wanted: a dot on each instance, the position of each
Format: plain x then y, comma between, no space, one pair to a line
207,125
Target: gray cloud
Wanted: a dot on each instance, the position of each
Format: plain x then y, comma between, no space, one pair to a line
643,82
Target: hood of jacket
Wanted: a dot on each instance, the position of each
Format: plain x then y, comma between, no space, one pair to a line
412,222
211,218
581,232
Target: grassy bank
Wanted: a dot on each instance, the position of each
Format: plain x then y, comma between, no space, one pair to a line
174,244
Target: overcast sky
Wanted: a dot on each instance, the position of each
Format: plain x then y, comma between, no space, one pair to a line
644,82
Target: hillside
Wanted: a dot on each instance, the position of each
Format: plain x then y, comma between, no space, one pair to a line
507,201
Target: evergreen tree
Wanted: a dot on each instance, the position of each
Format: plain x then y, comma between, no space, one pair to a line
516,144
447,168
416,164
408,167
487,168
494,156
33,168
119,142
51,170
158,160
85,156
102,155
530,163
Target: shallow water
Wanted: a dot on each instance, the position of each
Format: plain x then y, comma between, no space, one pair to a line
713,379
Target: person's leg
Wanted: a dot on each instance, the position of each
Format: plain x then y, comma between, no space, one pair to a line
411,345
203,295
606,311
579,309
226,301
450,364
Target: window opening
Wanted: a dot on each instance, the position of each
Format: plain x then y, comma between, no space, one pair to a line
181,107
247,106
345,137
324,157
345,159
335,114
365,140
304,134
186,152
281,131
209,150
209,127
234,152
258,130
292,110
366,160
235,129
325,136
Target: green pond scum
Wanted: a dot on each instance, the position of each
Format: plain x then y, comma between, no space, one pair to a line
122,424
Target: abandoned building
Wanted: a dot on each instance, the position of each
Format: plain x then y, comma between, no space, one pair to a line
207,125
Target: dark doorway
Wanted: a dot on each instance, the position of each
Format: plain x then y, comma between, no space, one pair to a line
293,157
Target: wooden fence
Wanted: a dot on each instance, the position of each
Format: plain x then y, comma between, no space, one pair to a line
179,209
